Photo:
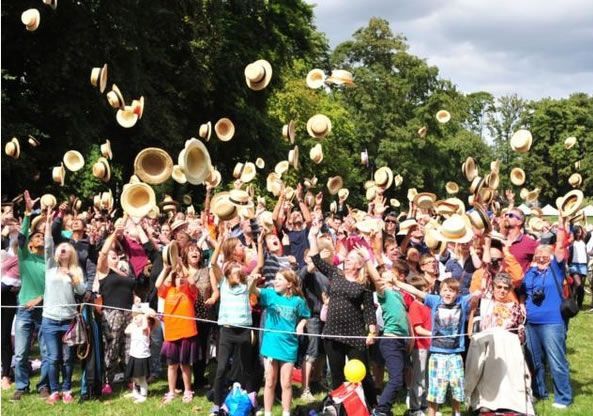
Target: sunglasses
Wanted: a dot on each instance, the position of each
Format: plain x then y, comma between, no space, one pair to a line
495,261
390,222
541,259
511,215
502,287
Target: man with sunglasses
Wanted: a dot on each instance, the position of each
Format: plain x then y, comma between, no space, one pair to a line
390,230
522,246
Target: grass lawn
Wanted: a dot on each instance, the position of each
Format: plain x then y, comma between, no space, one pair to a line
580,341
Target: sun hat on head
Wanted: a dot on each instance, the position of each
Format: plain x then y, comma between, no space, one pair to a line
521,141
315,79
319,126
224,129
258,74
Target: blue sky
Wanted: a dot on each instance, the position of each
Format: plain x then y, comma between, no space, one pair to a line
533,48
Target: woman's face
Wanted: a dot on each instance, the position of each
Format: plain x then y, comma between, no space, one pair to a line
353,261
182,239
112,259
413,255
63,253
501,290
194,255
239,251
542,258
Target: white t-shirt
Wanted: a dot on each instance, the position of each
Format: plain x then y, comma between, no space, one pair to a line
139,342
579,252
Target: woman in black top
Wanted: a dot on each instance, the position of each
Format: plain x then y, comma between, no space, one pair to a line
116,287
350,311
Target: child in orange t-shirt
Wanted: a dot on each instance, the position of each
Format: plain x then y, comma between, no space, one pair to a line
181,342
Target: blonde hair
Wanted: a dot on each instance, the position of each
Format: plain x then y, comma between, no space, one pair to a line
73,266
292,278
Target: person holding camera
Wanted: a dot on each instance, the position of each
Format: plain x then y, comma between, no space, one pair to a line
545,326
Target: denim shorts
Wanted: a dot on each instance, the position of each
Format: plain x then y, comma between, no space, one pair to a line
578,268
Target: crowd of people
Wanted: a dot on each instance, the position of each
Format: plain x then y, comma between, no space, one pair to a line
284,284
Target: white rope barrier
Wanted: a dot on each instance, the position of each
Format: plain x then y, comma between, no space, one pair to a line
279,331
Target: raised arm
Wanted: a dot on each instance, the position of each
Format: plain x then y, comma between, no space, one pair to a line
302,206
278,222
559,250
50,262
162,276
410,289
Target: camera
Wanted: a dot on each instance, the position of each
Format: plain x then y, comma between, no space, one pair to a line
538,296
255,230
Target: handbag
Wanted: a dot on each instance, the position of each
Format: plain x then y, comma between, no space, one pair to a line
346,400
77,333
569,307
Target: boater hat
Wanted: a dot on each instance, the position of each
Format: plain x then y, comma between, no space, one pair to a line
222,207
238,170
31,19
384,177
451,188
334,184
316,153
47,201
248,172
469,169
319,126
517,176
13,148
258,74
575,180
260,163
126,117
315,79
58,174
106,150
115,97
171,254
424,200
422,131
205,131
343,193
293,157
443,116
521,141
178,175
73,160
224,129
169,204
138,107
479,219
455,229
570,142
33,141
137,199
194,159
153,165
289,131
340,77
102,170
99,77
281,167
571,203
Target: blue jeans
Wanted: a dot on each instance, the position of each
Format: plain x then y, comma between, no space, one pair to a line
58,354
394,354
28,322
548,342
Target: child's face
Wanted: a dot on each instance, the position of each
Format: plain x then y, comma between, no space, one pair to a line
448,295
281,285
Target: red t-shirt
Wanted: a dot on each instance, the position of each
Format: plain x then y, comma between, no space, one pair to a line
419,314
523,249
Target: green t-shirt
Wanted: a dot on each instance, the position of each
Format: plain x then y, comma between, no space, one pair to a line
395,318
31,269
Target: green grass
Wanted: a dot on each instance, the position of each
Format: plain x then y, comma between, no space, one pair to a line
580,340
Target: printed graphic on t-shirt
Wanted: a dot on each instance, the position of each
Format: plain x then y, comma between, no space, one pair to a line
447,322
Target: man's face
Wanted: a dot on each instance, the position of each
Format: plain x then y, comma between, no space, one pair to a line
430,265
77,225
336,223
514,218
297,220
36,240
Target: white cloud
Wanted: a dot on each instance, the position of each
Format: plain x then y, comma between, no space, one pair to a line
534,48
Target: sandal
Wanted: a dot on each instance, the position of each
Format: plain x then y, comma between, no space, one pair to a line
188,396
168,398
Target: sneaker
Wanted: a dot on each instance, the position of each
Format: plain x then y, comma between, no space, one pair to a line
106,390
44,393
53,398
67,397
118,378
559,406
378,413
188,396
306,396
18,394
168,398
140,399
